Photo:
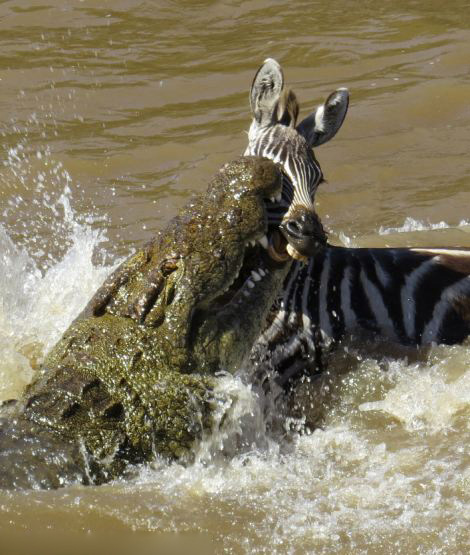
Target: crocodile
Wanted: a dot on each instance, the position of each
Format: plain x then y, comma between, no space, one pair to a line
134,375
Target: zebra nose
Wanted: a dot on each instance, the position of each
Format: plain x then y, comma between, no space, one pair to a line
294,229
304,231
301,228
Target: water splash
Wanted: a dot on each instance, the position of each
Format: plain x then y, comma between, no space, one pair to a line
410,224
347,241
427,399
45,281
240,424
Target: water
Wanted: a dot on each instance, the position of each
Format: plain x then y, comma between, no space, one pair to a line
110,117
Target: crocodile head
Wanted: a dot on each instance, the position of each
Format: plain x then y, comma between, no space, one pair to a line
134,374
207,281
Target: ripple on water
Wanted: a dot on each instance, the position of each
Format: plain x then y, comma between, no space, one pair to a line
145,100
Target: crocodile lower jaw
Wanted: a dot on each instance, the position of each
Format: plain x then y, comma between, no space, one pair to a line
260,259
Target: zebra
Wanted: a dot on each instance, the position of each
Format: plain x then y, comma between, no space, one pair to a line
409,296
274,134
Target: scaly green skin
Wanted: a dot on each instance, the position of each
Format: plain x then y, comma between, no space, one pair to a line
133,376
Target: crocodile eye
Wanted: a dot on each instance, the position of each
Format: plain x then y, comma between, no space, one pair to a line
219,254
169,266
90,386
114,412
71,410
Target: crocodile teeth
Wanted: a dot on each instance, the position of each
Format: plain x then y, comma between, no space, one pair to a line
255,275
250,284
252,243
264,242
279,197
262,272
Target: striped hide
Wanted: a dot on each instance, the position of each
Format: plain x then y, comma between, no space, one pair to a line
411,296
275,134
408,296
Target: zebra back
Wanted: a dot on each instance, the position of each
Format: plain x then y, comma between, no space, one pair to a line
411,296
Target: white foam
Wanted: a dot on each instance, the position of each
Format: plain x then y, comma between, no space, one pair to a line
238,422
347,241
410,224
36,307
425,399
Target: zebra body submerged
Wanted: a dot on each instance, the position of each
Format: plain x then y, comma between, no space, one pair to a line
408,296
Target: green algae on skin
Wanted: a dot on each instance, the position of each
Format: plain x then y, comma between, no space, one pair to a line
133,376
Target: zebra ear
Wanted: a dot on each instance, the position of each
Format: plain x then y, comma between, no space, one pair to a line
322,124
265,91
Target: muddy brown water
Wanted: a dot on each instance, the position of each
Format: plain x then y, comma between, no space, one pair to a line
111,116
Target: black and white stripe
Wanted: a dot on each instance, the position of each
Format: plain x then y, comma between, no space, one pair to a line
274,134
409,296
302,173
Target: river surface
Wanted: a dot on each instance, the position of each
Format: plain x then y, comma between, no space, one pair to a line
110,118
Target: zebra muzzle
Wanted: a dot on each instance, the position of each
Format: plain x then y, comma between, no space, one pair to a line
303,232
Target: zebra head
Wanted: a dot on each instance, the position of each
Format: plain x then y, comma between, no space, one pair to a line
275,134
